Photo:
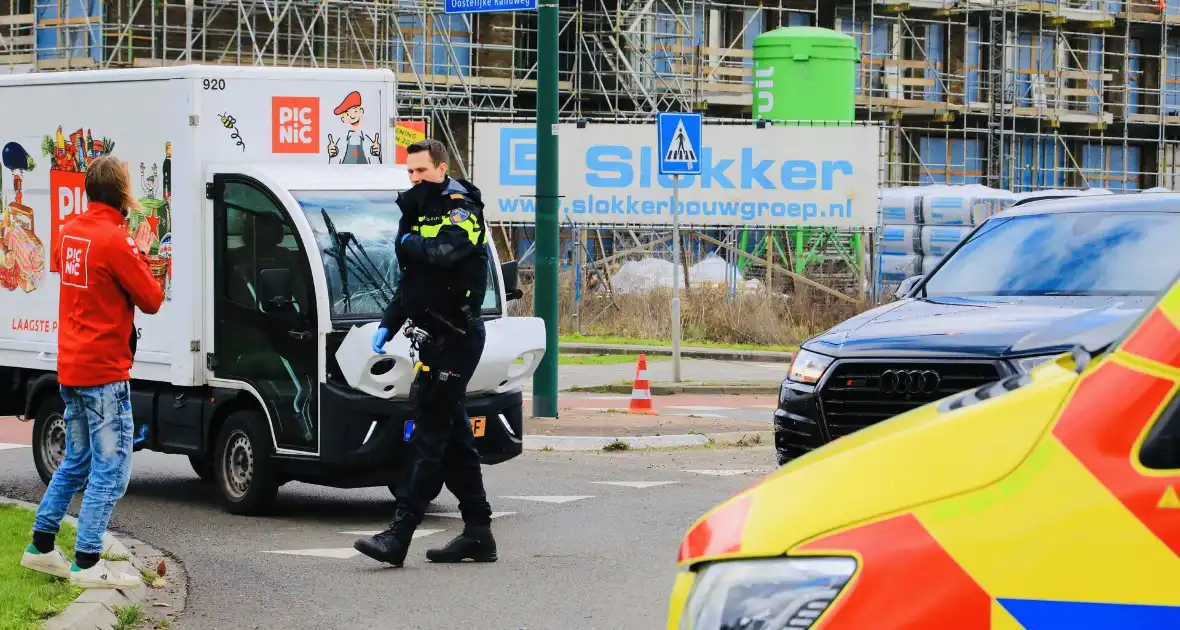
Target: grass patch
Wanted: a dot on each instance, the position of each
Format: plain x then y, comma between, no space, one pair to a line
110,556
667,343
617,445
28,598
128,617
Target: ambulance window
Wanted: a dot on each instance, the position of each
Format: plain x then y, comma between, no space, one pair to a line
1161,448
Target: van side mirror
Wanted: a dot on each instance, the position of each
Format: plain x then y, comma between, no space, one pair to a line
907,286
511,278
275,289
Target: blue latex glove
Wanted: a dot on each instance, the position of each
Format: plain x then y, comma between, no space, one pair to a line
380,338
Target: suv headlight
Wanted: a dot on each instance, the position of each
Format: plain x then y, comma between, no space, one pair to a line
807,366
1024,365
771,594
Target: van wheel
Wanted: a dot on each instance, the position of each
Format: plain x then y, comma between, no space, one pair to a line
202,467
49,437
242,466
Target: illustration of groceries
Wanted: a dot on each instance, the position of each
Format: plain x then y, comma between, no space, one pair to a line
22,256
151,225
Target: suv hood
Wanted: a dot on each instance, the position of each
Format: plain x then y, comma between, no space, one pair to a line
985,326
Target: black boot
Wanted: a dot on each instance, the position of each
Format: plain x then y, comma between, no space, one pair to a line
392,544
475,542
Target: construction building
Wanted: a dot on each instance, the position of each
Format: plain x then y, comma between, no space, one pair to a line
1018,94
1015,94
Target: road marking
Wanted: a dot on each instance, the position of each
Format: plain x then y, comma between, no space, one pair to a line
700,408
762,407
418,533
721,473
773,366
8,447
552,499
634,484
696,415
339,553
460,514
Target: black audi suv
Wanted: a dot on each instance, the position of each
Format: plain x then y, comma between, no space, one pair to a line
1027,284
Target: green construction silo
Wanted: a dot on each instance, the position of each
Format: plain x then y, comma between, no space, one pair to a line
805,73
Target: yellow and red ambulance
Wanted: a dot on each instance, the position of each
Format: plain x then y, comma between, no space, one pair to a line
1044,500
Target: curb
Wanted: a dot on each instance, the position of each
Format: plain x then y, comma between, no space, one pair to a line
682,388
95,608
596,443
717,354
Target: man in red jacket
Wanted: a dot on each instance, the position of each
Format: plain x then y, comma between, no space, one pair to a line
104,277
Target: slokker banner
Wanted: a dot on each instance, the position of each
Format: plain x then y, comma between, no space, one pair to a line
609,174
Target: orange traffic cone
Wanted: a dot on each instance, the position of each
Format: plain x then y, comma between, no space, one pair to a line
641,390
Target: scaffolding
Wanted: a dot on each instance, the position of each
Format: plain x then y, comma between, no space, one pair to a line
1017,94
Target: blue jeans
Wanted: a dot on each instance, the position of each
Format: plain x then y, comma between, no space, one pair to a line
99,439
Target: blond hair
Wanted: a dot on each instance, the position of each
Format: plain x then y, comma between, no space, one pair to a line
108,180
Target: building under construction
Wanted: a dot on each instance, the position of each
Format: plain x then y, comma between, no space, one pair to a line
1017,94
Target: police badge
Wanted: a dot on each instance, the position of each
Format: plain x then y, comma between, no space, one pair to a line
459,215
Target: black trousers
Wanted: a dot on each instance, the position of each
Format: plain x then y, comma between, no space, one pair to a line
442,446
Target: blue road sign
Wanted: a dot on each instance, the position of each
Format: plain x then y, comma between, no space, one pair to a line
487,6
679,144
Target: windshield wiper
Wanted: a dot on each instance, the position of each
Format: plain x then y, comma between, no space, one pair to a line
337,252
375,277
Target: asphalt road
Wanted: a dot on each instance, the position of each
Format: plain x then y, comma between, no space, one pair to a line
578,554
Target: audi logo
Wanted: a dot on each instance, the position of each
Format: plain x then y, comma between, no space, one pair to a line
910,381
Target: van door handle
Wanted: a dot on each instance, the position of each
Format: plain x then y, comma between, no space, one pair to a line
299,334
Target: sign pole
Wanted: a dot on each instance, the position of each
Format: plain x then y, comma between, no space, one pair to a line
547,234
675,278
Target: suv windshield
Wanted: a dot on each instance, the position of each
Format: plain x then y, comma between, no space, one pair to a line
355,232
1070,253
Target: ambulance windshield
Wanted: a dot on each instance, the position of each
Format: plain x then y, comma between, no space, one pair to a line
355,233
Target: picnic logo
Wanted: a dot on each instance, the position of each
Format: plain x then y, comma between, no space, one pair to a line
75,256
295,124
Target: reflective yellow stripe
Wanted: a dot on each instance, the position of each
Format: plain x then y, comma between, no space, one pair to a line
470,225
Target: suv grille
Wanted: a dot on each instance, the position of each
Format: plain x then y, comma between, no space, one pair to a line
860,394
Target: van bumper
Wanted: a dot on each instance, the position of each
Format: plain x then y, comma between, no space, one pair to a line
363,438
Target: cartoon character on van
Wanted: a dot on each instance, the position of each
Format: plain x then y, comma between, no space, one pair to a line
351,113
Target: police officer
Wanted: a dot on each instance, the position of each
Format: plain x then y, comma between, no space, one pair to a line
443,259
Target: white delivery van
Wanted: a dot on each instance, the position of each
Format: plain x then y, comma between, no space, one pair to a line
269,219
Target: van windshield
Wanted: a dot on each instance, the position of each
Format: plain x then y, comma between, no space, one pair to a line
1111,253
355,233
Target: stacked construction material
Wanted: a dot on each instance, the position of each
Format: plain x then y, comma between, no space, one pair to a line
921,224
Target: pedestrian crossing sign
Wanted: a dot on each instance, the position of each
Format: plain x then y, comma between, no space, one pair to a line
679,143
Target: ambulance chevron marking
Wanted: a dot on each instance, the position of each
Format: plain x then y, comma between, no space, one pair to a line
903,568
1156,339
1100,426
1169,501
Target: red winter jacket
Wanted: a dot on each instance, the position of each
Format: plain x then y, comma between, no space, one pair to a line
103,278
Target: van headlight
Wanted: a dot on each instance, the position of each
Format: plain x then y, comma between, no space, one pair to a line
1024,365
770,594
807,366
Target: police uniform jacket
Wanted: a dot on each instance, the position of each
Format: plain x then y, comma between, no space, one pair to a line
442,255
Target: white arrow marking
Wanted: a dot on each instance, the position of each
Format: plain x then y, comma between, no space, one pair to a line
553,499
339,554
634,484
418,533
720,473
460,515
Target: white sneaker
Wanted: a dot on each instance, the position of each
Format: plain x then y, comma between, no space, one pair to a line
54,563
103,575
